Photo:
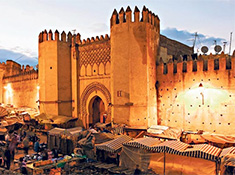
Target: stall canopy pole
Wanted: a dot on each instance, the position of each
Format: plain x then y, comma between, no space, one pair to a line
164,158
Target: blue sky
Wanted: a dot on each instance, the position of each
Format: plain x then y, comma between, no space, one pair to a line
22,21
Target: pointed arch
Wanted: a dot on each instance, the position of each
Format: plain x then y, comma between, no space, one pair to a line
94,89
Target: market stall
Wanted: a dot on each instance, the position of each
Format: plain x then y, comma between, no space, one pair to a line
164,132
50,121
64,140
137,152
109,151
172,157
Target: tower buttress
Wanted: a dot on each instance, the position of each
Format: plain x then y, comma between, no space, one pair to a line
55,96
134,46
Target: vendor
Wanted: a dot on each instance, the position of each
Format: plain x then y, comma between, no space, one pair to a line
45,155
36,146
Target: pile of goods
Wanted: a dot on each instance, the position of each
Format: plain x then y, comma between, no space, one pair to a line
42,163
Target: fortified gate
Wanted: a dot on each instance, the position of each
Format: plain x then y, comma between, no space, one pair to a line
135,76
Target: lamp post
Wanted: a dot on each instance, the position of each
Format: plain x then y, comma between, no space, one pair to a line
201,88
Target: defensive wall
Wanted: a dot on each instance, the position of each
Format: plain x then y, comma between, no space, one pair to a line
19,85
197,94
121,70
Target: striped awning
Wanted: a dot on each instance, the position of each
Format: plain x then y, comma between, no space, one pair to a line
225,151
143,143
203,151
172,147
113,145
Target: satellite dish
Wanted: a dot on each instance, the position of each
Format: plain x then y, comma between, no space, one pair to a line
204,49
218,48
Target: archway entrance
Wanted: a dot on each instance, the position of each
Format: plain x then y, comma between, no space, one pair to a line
96,110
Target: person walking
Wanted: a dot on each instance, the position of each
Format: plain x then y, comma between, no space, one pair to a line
7,155
26,145
12,145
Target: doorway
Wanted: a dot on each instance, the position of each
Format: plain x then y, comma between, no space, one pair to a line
96,110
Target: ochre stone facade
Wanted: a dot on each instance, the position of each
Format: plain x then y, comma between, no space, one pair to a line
197,94
135,76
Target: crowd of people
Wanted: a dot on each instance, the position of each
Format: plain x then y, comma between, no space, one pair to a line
24,138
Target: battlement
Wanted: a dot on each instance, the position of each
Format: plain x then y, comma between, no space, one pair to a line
126,17
48,36
195,64
2,65
94,39
73,39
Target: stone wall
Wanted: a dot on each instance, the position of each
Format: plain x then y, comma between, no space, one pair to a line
169,48
21,90
197,94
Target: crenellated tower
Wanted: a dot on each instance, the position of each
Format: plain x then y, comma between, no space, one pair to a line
134,49
55,73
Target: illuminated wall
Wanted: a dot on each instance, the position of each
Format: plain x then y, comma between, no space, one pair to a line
197,95
21,90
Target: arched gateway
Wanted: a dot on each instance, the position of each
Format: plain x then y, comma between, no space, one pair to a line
95,101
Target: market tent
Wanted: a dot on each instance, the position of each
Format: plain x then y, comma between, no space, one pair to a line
167,163
203,151
60,120
136,152
218,138
144,143
74,131
180,158
113,145
102,137
13,120
55,131
166,158
41,117
63,139
225,151
3,112
164,132
174,147
227,164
